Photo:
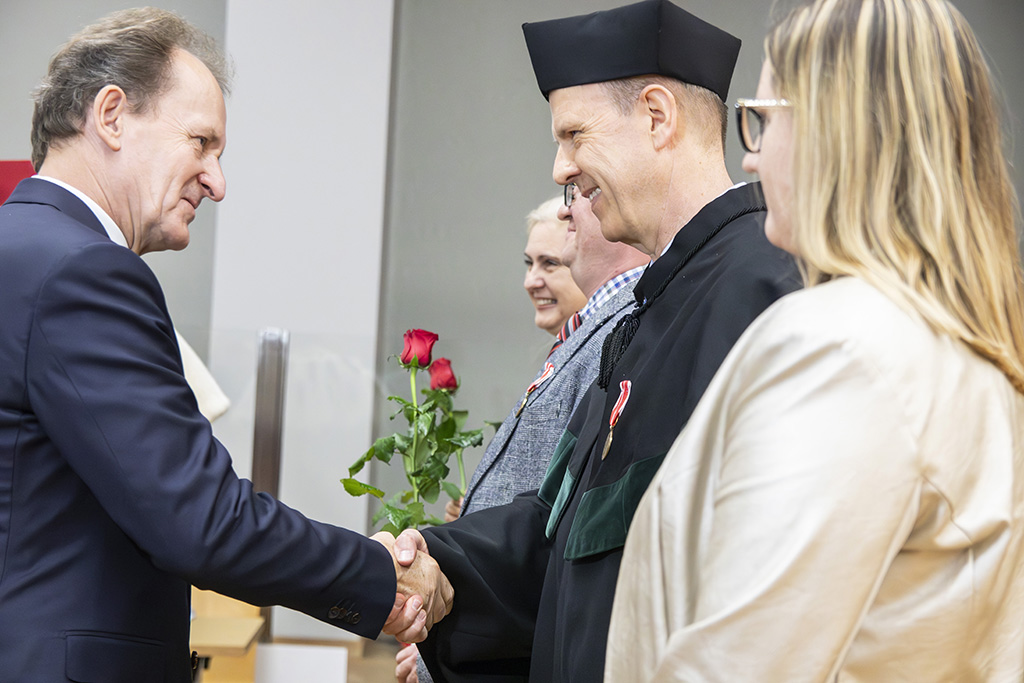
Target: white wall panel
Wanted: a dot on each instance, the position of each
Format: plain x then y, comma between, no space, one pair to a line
299,239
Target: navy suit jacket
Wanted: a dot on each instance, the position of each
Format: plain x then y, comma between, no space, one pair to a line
114,494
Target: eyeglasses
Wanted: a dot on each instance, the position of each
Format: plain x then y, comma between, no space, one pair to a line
570,193
751,121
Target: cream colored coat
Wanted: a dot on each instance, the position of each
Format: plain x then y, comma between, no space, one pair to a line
845,504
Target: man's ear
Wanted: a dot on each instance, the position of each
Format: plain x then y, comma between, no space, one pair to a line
108,110
659,105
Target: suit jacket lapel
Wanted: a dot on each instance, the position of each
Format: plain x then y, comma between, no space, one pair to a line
564,353
578,339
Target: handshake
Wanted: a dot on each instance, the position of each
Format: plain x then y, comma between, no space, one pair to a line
423,596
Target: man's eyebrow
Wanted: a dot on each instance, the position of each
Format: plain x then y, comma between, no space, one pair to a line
561,129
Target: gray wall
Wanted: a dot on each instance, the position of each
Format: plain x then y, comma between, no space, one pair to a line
471,154
30,33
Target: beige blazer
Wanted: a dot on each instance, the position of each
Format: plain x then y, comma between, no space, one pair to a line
845,504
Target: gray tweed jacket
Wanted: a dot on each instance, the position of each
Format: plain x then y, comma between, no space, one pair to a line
517,457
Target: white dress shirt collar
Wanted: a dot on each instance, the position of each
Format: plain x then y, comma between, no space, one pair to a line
114,232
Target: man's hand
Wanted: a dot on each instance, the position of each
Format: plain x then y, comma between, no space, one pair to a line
452,510
405,665
424,595
409,544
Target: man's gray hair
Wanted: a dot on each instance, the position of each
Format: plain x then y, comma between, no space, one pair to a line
131,49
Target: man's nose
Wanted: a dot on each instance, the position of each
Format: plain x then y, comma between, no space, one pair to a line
213,182
565,168
749,163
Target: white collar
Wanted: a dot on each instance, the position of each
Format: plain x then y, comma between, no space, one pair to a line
113,232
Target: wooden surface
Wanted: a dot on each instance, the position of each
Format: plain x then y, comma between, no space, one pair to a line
368,661
226,669
224,636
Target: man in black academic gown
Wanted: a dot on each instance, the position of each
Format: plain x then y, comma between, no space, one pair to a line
637,105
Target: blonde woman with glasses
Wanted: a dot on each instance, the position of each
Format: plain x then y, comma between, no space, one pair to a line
846,502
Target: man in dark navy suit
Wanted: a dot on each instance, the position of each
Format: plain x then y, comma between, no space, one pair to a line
114,494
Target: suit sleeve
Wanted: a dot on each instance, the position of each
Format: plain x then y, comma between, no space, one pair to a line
107,386
496,560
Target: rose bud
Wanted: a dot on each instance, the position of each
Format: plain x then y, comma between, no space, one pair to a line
418,344
441,375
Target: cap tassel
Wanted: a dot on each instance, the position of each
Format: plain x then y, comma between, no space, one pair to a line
615,344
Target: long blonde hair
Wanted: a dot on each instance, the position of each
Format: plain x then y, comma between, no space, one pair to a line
899,173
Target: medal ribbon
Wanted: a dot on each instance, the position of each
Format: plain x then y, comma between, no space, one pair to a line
624,387
549,369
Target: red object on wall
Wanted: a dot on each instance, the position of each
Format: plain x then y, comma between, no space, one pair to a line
12,173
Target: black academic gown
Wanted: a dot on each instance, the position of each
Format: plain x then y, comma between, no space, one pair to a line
534,579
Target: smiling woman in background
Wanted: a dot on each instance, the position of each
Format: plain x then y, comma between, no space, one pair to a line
552,290
847,501
518,455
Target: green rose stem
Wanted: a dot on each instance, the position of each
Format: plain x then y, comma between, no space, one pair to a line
410,460
462,471
425,470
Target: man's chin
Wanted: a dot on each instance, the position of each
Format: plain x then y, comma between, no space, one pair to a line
169,242
568,254
182,235
181,240
614,233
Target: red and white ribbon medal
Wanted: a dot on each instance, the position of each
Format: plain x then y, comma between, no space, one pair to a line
549,369
620,405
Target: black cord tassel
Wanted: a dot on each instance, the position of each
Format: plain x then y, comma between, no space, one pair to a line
615,344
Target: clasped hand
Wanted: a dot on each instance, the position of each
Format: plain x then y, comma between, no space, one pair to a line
423,595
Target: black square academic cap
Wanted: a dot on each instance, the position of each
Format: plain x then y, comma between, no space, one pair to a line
650,37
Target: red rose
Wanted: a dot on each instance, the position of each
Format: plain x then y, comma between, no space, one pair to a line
441,375
417,348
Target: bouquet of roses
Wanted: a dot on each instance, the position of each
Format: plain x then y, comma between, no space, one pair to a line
435,433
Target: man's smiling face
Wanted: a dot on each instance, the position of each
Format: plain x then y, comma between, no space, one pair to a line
602,151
